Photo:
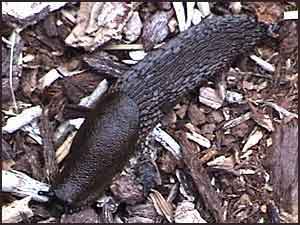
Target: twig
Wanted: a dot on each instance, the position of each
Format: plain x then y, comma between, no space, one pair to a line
13,37
264,64
127,46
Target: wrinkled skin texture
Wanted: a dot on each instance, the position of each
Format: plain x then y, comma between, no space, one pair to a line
100,150
122,120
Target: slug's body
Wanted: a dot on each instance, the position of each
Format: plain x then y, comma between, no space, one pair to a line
131,109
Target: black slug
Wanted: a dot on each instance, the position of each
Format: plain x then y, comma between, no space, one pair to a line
123,118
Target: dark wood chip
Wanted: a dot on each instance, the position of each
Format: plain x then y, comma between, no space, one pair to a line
104,63
200,177
84,216
127,190
284,165
51,167
155,29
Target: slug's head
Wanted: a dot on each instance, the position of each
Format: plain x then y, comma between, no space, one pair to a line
57,206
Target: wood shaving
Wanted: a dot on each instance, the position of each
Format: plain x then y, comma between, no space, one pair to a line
253,139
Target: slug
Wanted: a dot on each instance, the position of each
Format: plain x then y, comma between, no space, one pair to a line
123,118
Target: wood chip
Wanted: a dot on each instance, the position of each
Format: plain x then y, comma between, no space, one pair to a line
196,115
16,211
63,150
210,97
161,205
189,14
235,7
25,117
156,29
210,196
290,15
167,141
197,17
137,55
222,162
233,97
263,64
180,15
282,111
235,122
186,213
99,22
204,8
199,139
90,101
264,121
19,184
253,139
284,165
133,28
28,13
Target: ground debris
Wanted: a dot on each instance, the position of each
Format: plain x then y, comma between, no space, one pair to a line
99,22
284,166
